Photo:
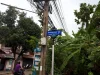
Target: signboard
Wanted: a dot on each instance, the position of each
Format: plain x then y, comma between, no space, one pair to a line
54,32
37,49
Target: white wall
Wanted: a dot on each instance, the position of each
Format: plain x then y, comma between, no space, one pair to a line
8,65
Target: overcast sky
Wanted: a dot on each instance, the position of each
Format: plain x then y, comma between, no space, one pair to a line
68,7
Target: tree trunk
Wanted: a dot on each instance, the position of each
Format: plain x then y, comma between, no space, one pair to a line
14,53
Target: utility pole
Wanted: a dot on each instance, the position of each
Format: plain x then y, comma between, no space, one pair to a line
45,26
44,47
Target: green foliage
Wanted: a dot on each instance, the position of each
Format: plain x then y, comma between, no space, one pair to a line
4,33
40,14
95,22
10,16
67,59
84,15
90,73
32,42
1,18
29,26
79,55
22,32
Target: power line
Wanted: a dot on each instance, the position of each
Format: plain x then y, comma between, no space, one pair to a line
60,4
18,8
55,14
58,12
39,6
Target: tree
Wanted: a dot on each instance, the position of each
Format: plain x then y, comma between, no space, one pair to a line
10,17
84,15
4,33
95,22
29,27
78,55
7,22
31,31
1,18
18,32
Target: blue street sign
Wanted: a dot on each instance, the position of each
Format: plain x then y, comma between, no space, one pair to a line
37,49
55,32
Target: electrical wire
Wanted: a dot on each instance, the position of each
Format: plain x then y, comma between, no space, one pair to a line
57,12
60,4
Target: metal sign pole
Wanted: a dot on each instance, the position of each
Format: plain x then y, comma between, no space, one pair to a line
52,59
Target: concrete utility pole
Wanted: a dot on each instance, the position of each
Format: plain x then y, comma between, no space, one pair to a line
44,47
45,29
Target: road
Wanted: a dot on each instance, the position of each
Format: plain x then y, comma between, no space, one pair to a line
27,72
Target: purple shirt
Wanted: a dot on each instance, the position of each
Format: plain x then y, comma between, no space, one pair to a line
17,68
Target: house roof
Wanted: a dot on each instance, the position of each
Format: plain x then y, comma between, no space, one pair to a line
28,56
6,56
2,51
6,52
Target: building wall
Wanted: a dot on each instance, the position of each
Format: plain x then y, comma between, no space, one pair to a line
0,46
8,64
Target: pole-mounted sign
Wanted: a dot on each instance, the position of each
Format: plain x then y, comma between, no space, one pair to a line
54,33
